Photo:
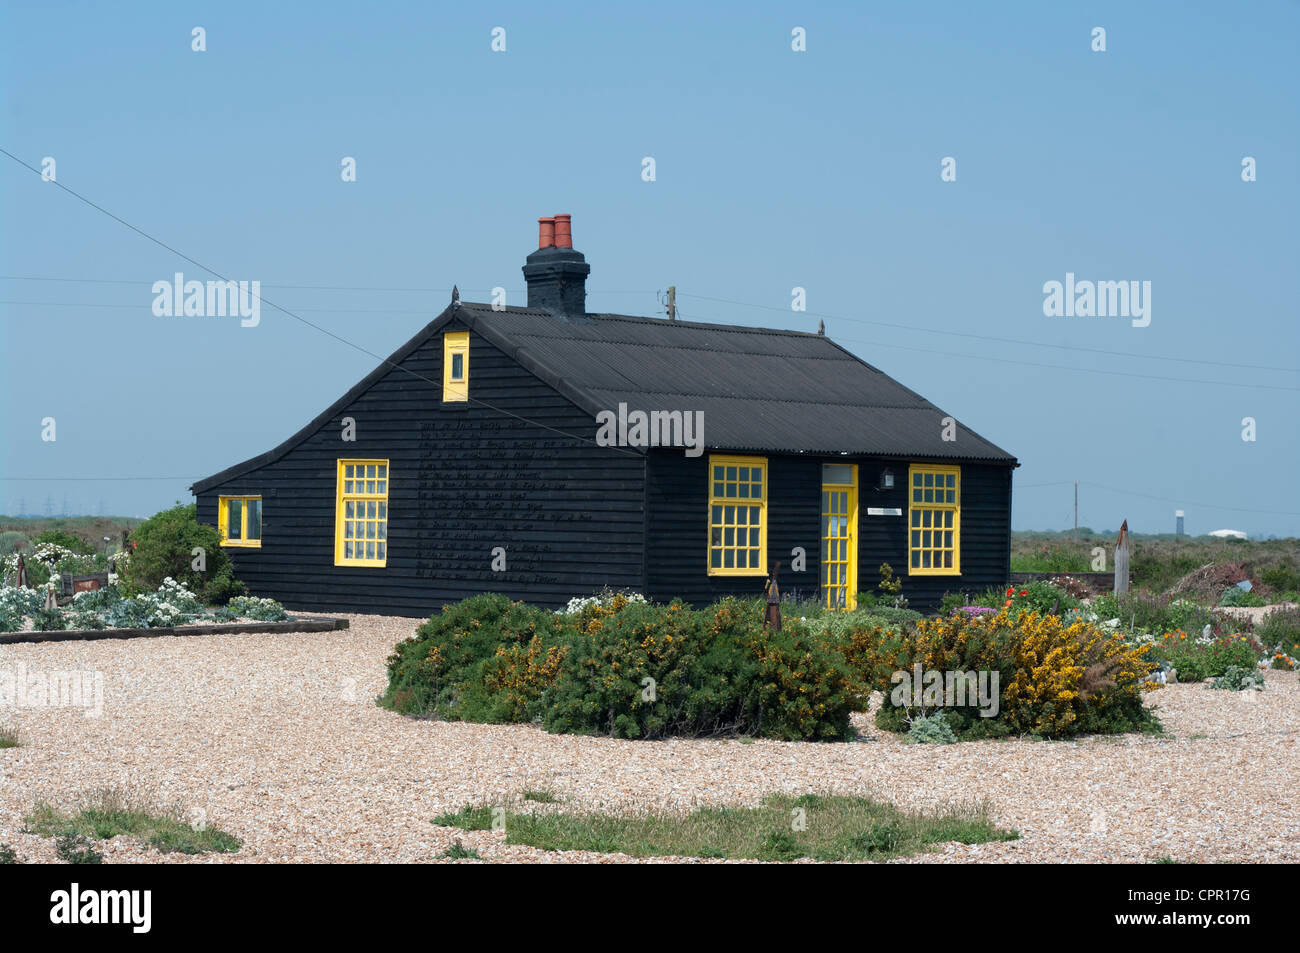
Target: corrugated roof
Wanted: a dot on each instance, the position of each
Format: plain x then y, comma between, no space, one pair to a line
759,388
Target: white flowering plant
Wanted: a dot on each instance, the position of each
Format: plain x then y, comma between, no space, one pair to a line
260,610
604,597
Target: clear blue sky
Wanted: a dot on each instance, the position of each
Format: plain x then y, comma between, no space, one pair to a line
775,169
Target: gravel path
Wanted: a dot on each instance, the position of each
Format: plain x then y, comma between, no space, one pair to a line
276,739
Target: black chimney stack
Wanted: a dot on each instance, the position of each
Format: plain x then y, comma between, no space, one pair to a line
556,274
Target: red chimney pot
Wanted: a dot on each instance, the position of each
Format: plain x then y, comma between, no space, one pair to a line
563,231
545,232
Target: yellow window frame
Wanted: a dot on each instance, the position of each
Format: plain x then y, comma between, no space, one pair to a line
223,521
359,494
727,521
455,344
933,520
839,549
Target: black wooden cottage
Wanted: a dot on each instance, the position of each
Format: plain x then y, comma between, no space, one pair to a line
501,450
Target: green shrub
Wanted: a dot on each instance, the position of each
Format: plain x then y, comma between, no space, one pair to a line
12,541
65,539
441,670
1232,596
1237,679
1142,611
1196,659
163,545
839,625
96,600
931,730
48,620
805,687
76,849
889,615
21,602
83,619
952,601
628,669
1280,631
260,610
1053,679
1282,578
10,856
1053,559
128,614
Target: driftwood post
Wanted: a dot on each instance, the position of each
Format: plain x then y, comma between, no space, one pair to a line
22,573
1121,561
772,620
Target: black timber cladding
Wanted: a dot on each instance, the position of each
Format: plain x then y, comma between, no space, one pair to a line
464,479
677,499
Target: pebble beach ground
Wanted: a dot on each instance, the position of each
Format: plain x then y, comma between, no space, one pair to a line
277,740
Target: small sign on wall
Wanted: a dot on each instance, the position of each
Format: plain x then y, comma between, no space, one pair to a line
884,511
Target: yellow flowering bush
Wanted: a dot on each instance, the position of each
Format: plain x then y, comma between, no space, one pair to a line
1075,678
1054,679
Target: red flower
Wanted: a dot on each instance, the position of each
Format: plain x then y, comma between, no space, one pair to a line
1011,592
1024,592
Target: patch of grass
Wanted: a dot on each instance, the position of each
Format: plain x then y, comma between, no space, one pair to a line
1166,860
541,796
76,849
9,738
784,828
458,851
10,856
468,818
111,813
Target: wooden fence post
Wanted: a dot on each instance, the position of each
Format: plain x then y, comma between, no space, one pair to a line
772,618
1121,561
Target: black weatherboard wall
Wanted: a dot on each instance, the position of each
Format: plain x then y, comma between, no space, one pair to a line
463,479
677,501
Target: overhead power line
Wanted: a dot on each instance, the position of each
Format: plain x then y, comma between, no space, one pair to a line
342,340
995,338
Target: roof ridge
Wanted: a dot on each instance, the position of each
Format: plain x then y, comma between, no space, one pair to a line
643,319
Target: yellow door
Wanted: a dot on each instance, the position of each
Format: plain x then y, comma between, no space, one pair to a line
839,562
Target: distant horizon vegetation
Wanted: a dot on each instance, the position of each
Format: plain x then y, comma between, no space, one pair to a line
74,521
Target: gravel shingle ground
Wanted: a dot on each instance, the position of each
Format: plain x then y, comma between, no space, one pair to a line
276,739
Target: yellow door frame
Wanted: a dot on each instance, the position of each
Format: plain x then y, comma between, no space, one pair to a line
850,579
